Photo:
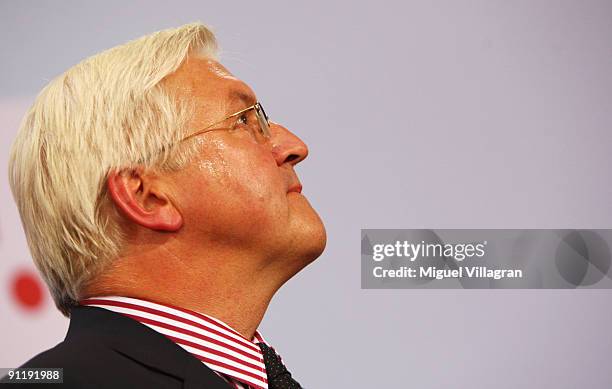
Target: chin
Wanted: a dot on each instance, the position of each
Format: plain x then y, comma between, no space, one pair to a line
310,238
303,237
318,239
300,244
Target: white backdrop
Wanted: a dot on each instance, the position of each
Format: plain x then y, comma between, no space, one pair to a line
444,114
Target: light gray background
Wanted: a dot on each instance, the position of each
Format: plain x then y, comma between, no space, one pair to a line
454,114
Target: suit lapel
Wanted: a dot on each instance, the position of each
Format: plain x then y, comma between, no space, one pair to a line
144,345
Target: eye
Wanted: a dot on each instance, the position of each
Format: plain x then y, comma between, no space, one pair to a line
243,119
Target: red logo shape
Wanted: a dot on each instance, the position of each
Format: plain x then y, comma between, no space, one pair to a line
27,290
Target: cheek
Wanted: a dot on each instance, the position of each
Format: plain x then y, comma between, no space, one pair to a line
243,174
239,188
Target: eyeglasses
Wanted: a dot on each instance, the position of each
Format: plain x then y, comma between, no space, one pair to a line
253,119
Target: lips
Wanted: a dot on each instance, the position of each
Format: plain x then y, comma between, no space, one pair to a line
295,188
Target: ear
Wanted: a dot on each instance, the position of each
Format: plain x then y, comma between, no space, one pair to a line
142,201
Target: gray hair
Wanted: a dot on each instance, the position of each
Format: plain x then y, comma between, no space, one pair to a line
110,111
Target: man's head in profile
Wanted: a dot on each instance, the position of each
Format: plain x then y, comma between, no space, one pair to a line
151,172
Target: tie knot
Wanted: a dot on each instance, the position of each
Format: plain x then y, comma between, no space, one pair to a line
278,375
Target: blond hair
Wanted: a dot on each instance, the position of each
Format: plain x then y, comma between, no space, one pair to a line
108,112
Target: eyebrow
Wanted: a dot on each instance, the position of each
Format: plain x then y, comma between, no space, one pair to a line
247,98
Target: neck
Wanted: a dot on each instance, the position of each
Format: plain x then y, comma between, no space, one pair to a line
233,292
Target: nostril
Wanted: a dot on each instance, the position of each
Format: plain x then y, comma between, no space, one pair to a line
291,157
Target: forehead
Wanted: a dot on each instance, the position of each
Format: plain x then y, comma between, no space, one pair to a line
208,84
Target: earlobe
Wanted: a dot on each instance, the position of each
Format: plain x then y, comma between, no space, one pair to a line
134,195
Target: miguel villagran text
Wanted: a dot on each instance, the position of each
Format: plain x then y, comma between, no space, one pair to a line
431,272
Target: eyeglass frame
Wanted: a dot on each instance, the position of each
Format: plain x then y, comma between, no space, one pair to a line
260,113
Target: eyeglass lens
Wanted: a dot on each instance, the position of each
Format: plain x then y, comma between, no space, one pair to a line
263,120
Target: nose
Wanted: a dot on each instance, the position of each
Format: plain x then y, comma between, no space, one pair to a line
286,146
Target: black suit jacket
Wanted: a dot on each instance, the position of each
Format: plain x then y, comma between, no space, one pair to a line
104,349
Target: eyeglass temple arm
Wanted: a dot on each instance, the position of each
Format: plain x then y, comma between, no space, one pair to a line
207,128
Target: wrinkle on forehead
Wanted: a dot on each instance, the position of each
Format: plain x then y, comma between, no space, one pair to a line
195,73
210,87
220,70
